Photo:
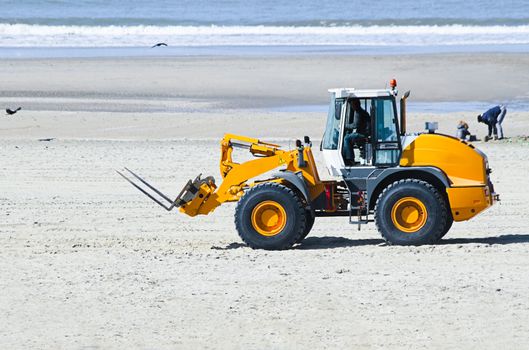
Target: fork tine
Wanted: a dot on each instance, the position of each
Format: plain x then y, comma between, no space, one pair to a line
147,193
150,186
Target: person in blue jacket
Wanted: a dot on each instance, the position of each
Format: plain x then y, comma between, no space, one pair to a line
494,118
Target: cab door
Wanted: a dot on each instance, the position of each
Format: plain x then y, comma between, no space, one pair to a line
386,138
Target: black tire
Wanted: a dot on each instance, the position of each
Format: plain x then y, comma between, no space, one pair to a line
448,223
431,224
293,225
309,222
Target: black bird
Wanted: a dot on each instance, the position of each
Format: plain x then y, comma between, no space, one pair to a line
159,44
11,112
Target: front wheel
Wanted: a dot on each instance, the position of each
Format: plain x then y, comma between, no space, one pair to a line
309,222
270,216
411,212
448,223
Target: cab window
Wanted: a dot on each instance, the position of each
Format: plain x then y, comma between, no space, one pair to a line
385,122
386,136
332,129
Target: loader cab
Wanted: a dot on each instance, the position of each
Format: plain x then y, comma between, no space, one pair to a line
379,144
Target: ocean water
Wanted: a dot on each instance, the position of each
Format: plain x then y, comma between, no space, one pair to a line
411,25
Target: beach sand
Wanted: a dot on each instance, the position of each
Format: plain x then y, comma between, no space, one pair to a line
88,262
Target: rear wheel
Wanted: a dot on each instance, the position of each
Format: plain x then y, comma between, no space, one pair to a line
411,212
270,216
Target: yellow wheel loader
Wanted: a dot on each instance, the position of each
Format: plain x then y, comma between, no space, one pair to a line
413,186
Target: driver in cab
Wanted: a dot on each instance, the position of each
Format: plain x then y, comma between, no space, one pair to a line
356,130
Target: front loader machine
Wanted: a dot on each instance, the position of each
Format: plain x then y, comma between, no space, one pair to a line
413,186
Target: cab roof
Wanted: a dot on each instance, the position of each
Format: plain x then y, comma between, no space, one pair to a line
364,93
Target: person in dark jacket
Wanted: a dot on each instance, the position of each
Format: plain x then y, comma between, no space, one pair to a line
494,118
357,129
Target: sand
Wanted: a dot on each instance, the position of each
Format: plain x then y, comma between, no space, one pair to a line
87,262
261,81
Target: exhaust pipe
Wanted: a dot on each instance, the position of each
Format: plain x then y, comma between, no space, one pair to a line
403,113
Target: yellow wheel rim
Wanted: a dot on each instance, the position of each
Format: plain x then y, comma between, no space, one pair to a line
409,214
269,218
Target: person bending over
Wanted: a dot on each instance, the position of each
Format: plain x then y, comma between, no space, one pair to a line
356,130
494,118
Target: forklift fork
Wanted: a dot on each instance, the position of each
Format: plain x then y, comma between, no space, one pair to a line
186,195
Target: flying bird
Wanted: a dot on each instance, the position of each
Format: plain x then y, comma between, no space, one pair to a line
158,45
11,112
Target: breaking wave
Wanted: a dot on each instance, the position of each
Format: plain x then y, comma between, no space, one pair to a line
33,35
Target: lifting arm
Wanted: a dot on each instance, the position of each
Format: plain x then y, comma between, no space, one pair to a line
234,174
202,196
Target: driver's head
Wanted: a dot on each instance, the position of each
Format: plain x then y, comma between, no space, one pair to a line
355,103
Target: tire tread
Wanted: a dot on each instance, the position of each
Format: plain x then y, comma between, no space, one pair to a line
440,230
275,187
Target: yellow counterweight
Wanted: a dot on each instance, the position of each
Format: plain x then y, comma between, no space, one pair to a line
464,166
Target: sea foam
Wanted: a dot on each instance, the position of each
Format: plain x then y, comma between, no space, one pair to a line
25,35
